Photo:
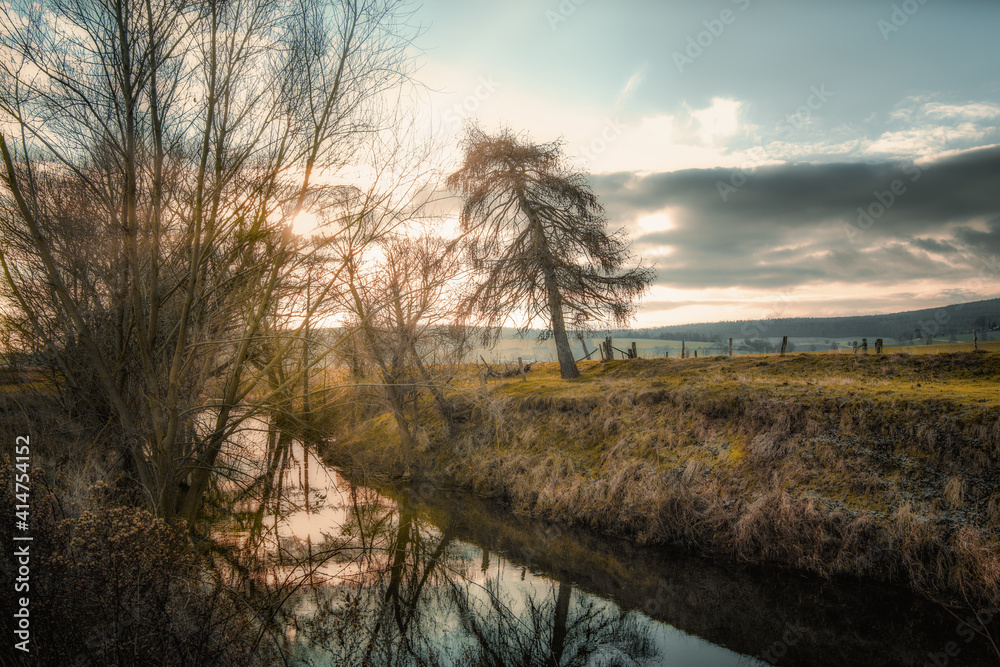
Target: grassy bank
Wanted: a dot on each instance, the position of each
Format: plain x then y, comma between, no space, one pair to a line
880,467
743,608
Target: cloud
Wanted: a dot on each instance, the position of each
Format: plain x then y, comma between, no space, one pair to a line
723,134
973,111
718,121
699,137
884,226
932,129
630,86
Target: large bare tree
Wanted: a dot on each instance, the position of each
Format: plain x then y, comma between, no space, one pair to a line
154,154
538,237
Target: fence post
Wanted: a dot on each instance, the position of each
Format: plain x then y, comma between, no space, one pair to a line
683,351
864,346
520,365
784,344
730,347
975,341
635,355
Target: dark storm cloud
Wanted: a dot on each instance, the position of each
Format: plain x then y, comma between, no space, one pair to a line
793,224
988,241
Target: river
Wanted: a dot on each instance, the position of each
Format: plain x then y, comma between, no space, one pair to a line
418,575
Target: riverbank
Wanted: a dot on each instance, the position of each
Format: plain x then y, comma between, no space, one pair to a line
885,468
747,609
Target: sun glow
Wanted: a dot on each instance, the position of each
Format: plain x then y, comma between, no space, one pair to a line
312,525
655,222
304,224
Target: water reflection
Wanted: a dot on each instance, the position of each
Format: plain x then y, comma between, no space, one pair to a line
358,577
371,581
398,591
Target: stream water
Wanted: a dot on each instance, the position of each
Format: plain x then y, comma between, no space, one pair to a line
422,576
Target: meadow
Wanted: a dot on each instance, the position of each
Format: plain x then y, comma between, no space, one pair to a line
883,467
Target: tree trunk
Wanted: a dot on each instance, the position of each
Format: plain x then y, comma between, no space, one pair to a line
567,364
392,596
402,423
435,390
559,630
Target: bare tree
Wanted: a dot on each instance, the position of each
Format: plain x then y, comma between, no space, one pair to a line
539,242
154,154
403,303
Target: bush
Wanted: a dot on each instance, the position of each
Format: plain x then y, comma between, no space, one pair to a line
114,585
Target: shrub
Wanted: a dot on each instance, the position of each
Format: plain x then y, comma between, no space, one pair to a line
114,585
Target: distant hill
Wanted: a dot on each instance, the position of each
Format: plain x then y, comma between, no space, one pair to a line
804,333
954,319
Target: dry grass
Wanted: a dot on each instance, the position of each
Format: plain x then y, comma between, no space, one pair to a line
945,348
954,491
883,467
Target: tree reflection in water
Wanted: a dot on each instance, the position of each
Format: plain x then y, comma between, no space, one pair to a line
554,628
421,599
342,575
352,578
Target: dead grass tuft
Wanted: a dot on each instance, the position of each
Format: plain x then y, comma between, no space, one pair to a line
692,471
954,491
976,571
767,447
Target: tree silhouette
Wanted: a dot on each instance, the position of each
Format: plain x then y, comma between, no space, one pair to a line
153,156
538,240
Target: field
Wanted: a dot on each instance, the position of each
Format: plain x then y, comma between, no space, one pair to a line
531,349
839,464
945,347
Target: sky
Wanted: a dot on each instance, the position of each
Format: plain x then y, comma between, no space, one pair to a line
768,158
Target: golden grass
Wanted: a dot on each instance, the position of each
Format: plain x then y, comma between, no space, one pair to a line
945,348
883,467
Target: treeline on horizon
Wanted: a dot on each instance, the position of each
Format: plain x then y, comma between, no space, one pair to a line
953,319
914,325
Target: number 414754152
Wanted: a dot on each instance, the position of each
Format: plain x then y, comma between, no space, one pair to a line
22,451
